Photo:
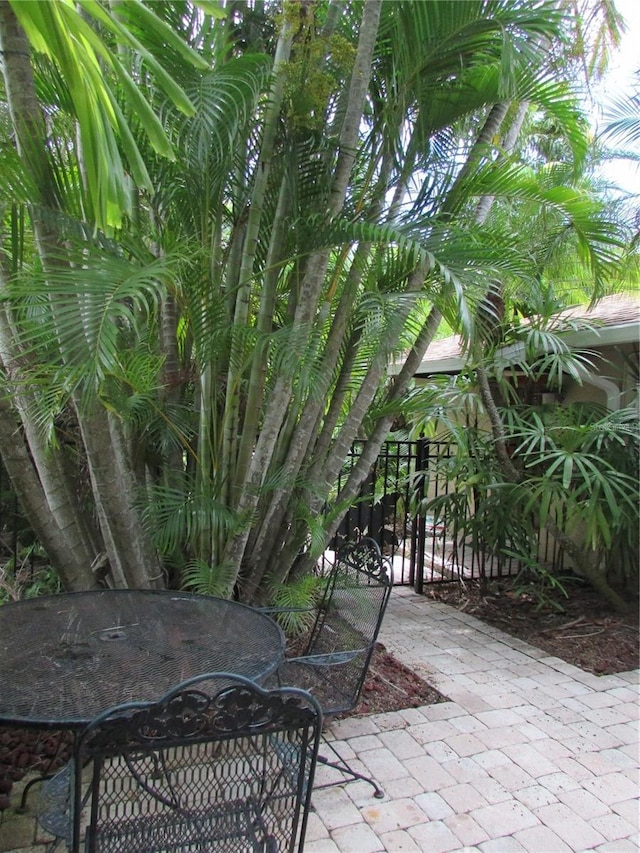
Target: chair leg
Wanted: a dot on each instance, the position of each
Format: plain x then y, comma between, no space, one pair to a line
48,773
22,808
343,767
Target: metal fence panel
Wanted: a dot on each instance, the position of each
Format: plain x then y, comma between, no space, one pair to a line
424,549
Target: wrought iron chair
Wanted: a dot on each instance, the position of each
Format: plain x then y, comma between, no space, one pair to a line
218,764
334,665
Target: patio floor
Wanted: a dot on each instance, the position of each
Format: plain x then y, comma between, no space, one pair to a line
531,753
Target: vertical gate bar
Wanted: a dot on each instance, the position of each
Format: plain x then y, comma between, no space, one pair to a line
406,498
436,493
423,463
408,528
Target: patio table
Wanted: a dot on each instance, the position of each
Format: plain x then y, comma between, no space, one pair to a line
65,658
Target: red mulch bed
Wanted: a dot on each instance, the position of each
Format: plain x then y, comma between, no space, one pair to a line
580,629
392,686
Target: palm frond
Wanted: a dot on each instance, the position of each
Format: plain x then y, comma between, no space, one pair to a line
224,100
87,312
623,114
177,518
206,579
295,602
64,34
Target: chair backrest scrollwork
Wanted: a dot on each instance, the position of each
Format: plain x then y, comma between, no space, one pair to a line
217,764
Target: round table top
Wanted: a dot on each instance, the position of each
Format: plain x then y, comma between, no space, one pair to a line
65,658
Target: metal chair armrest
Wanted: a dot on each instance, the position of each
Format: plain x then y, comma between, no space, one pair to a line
329,659
285,609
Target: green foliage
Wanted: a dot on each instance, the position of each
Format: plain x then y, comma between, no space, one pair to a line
535,581
578,480
311,82
205,579
481,507
24,581
583,474
241,235
295,603
624,123
180,519
103,309
63,33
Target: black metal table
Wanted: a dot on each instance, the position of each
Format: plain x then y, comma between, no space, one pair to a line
65,658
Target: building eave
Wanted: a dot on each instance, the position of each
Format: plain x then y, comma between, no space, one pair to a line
595,338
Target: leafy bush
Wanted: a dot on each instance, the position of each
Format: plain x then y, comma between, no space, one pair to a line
578,482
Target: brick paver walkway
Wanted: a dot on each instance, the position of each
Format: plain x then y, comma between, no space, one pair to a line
531,754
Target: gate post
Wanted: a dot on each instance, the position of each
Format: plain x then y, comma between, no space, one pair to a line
418,528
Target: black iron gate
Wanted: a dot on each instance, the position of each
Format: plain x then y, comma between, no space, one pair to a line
425,548
390,509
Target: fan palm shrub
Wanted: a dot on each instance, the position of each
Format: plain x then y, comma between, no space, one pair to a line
571,474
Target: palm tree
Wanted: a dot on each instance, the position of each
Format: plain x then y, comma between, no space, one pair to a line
50,182
229,336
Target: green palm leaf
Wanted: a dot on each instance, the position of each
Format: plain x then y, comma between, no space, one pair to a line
99,306
61,32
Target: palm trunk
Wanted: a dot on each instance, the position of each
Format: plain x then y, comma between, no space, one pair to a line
589,564
48,498
329,467
327,464
357,93
510,471
264,326
53,521
483,209
243,295
131,561
306,430
312,283
56,496
288,557
488,132
24,107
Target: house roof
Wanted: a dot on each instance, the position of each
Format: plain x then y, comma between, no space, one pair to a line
616,320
